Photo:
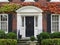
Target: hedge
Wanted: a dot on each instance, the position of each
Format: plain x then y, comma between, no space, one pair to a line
2,34
55,35
11,35
43,35
8,42
50,42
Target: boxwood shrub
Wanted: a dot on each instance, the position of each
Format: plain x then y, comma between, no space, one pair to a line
55,35
50,42
43,35
8,42
2,34
11,35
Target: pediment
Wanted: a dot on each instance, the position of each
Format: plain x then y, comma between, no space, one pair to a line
29,9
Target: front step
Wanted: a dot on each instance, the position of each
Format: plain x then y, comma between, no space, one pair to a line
23,44
23,41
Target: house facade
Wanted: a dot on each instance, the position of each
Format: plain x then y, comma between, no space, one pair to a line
34,17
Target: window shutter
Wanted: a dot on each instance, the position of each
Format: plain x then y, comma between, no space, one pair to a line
48,0
35,0
9,22
22,0
48,22
10,0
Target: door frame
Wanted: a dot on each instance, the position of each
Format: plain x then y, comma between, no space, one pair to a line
28,24
25,24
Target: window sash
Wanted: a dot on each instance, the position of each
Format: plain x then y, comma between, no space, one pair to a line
4,1
36,21
55,23
4,23
23,21
29,1
55,1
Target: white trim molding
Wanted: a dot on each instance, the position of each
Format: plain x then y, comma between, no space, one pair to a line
29,9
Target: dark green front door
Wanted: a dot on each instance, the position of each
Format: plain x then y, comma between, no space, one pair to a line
29,26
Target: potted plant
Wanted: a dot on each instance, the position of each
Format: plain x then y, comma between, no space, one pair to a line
32,40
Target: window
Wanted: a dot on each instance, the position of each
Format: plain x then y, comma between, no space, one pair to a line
55,23
29,0
4,1
36,21
55,0
22,21
4,22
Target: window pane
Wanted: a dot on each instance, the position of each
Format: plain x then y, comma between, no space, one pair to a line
4,26
36,19
3,0
3,17
55,17
22,21
0,17
0,25
29,0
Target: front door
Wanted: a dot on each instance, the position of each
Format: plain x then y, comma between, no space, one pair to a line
29,26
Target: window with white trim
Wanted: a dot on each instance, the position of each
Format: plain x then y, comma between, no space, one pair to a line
55,0
29,0
55,23
22,21
4,22
36,21
4,1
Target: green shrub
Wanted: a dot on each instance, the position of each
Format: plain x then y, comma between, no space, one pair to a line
55,35
2,34
50,42
32,38
43,35
11,35
8,42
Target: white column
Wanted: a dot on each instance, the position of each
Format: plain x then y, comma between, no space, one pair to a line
18,24
39,23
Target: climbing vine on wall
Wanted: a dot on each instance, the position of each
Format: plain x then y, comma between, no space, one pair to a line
9,7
